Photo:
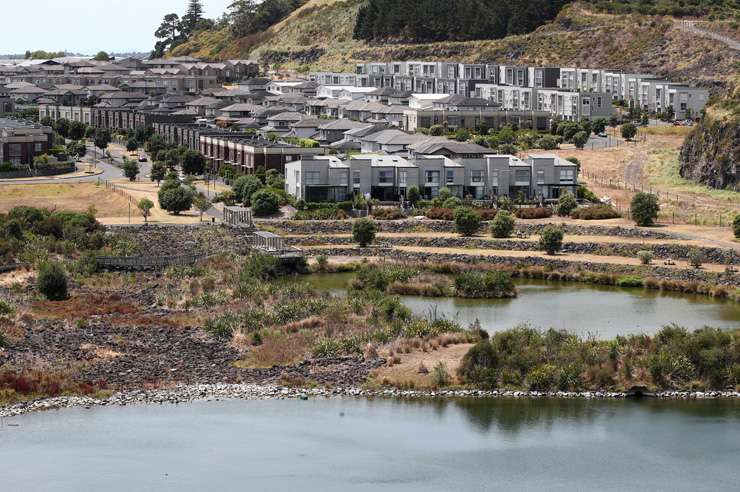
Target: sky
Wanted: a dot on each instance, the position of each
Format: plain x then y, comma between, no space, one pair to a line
88,26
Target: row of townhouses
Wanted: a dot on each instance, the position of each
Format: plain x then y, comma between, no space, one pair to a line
389,177
500,82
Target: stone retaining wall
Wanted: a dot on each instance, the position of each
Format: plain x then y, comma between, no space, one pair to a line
410,226
698,276
629,250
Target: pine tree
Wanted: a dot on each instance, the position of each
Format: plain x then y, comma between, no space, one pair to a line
193,16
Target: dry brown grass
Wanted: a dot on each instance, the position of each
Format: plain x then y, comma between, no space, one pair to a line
405,369
72,196
278,349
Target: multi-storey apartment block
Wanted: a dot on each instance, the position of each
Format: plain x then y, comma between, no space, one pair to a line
388,177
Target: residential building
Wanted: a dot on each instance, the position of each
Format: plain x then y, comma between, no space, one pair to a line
21,141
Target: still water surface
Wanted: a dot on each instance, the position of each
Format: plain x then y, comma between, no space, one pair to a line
370,445
580,308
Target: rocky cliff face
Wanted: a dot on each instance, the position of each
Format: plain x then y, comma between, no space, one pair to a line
711,153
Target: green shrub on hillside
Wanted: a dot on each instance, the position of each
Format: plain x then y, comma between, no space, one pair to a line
52,281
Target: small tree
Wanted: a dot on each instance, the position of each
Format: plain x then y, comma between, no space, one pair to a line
580,139
246,186
413,195
599,125
551,240
696,258
193,163
158,172
265,202
52,281
363,231
644,209
102,139
132,145
736,226
629,130
503,224
566,204
202,204
467,221
76,130
145,206
174,197
130,169
436,130
645,257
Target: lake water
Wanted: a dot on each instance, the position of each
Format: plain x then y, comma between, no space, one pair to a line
369,445
580,308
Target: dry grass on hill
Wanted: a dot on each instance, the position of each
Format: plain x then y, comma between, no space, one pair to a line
73,196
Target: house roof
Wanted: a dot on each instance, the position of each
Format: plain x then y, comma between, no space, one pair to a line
342,124
430,145
287,116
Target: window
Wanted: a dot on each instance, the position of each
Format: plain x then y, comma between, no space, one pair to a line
313,177
343,179
494,177
432,178
385,177
476,176
567,175
38,147
403,177
450,176
356,179
540,176
521,176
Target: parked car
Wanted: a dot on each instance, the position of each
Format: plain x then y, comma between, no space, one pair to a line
142,158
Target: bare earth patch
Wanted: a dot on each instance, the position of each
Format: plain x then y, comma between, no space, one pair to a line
407,371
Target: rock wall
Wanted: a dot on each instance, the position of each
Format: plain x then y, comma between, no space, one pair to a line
711,154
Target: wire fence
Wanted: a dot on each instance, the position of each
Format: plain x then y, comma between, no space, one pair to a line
681,207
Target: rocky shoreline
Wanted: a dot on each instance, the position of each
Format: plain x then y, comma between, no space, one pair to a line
216,392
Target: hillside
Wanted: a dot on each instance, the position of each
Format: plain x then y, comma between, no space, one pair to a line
319,35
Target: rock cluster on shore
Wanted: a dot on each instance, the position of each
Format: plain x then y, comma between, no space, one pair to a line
208,392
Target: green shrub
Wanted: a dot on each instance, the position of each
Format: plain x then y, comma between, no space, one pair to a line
629,281
363,232
566,204
543,377
479,365
629,131
467,221
413,195
265,202
440,375
736,226
645,257
644,209
503,224
551,240
52,281
490,284
696,258
452,202
5,307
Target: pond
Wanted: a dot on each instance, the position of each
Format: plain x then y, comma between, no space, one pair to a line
368,445
580,308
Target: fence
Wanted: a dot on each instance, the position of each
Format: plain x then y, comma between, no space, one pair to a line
685,215
146,262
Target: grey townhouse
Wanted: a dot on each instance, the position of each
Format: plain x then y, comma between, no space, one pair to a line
388,177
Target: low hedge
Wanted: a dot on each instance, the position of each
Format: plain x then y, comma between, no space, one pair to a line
388,214
440,213
533,213
595,212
